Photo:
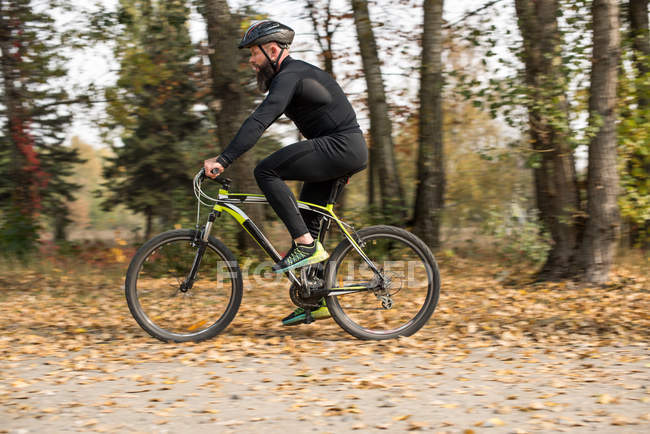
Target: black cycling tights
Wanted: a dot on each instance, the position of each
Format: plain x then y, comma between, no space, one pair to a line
319,162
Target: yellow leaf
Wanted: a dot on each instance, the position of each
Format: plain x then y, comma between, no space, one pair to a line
606,399
196,326
90,422
210,411
416,426
400,418
494,421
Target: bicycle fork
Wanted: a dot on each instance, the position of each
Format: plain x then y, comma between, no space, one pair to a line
202,241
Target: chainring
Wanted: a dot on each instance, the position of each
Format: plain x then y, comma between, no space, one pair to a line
305,303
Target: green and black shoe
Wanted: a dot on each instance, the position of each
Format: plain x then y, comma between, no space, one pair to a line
301,255
298,315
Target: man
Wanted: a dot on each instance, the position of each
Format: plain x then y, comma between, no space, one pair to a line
335,146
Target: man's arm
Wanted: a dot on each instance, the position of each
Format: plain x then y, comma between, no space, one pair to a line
280,94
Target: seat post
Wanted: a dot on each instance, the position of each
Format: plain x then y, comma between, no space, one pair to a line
337,188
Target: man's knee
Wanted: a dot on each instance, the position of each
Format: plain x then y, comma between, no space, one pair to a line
263,171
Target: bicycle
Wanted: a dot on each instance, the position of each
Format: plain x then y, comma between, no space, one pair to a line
380,282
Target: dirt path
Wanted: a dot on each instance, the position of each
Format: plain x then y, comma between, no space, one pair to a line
496,390
496,357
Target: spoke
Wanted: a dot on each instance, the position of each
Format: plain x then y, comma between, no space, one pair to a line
397,285
159,289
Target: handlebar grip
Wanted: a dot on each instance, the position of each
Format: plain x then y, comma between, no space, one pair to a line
223,181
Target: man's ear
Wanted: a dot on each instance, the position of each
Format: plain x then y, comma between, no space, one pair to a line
275,49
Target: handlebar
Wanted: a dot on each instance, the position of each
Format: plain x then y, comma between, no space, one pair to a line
225,182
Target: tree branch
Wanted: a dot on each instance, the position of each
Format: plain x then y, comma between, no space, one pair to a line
471,13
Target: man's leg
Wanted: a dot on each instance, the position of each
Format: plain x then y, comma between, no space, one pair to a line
318,164
300,161
313,161
270,174
317,193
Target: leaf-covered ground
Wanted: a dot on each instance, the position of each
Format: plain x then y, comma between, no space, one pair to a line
498,355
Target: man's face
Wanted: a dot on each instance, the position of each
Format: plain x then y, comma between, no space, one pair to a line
257,59
263,68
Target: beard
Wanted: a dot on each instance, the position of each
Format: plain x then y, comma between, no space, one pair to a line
265,75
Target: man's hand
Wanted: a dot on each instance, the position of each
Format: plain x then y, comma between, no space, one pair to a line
210,165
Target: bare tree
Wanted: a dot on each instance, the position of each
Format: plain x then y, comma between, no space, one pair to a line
325,23
324,29
602,227
382,153
429,199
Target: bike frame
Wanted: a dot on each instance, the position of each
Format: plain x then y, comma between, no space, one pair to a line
227,201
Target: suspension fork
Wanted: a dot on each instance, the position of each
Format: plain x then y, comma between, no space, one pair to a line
202,242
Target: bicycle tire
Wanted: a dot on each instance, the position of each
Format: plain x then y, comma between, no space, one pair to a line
390,235
134,275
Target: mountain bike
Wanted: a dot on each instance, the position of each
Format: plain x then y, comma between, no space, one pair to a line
379,282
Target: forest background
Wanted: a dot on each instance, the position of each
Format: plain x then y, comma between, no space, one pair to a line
518,128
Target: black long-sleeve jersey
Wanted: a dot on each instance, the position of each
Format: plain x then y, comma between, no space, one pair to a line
308,96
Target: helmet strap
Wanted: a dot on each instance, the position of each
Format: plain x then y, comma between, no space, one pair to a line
273,64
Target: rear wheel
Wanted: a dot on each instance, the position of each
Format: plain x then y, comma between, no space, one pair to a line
401,296
160,299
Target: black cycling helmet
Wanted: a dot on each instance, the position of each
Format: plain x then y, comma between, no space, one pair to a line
267,31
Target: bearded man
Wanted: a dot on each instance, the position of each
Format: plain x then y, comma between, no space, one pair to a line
334,145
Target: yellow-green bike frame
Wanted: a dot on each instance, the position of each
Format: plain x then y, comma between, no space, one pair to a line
226,202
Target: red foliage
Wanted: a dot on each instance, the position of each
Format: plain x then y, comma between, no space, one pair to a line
35,179
38,178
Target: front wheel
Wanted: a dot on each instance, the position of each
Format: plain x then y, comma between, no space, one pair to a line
401,291
165,305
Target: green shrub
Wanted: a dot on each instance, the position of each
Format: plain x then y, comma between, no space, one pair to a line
518,235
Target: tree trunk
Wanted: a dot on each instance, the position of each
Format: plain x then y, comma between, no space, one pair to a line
60,225
372,175
429,199
555,177
148,230
10,96
231,101
324,37
638,16
602,228
382,147
324,40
